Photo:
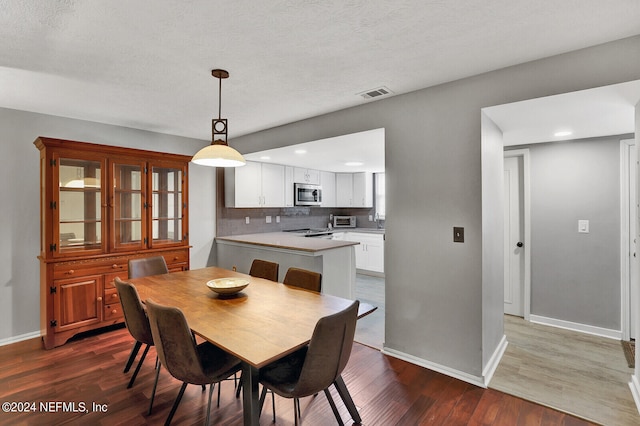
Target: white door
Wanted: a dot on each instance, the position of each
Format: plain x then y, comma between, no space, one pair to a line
633,268
513,237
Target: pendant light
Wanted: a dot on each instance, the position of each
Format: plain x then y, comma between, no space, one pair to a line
219,153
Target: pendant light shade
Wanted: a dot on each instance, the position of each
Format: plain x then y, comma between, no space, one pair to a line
219,153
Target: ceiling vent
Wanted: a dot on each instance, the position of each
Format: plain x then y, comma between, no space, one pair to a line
376,93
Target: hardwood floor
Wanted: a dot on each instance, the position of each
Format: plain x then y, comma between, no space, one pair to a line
386,390
574,372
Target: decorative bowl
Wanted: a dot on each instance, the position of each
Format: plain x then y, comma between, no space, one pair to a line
227,286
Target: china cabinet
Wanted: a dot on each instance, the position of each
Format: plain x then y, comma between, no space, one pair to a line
101,206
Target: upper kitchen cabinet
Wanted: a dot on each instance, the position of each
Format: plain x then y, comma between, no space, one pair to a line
328,183
309,176
101,206
354,189
255,185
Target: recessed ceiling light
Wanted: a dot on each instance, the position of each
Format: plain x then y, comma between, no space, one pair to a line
562,133
353,163
300,151
265,157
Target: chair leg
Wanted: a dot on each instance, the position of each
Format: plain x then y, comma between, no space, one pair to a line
296,411
211,386
239,388
155,385
333,407
273,405
132,356
135,373
175,404
263,394
219,387
346,398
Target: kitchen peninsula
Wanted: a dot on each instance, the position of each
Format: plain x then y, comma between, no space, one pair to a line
334,259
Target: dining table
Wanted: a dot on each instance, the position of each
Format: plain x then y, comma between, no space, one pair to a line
262,323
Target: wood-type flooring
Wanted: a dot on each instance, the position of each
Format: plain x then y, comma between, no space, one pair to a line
387,391
574,372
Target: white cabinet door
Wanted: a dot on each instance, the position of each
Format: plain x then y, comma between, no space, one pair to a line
309,176
288,186
344,189
370,251
242,185
328,183
254,185
363,189
272,185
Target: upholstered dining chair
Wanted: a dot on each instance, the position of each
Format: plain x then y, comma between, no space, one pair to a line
264,269
155,265
303,278
187,361
135,318
317,366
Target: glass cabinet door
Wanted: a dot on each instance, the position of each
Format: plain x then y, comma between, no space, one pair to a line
167,205
128,208
78,207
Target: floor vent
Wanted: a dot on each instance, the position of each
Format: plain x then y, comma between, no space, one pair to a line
375,93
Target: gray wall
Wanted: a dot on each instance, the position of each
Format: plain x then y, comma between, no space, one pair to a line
434,298
20,209
575,276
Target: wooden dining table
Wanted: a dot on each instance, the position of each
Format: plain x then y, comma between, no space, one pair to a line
264,322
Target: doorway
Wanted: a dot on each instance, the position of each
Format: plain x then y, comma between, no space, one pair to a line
517,233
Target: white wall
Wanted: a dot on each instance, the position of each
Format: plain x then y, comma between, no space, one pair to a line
435,312
20,209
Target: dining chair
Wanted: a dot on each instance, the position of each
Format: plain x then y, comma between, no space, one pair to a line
155,265
317,366
303,278
187,361
264,269
137,322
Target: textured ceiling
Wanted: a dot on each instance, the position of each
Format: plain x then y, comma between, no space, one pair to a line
146,64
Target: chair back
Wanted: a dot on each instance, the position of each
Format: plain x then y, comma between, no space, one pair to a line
135,316
303,278
264,269
328,351
175,343
147,266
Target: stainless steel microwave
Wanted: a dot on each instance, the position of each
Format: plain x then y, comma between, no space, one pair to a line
307,195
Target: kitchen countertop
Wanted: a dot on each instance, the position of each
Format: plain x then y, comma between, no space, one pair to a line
285,240
363,230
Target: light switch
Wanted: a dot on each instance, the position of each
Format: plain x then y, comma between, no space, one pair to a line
458,234
277,219
268,219
247,220
583,226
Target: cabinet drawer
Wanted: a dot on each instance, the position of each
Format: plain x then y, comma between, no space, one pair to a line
78,269
110,284
178,256
111,296
112,311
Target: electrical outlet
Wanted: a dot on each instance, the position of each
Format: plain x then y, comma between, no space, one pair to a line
458,234
277,219
370,218
268,219
247,220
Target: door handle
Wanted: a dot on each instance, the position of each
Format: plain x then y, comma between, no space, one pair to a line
519,244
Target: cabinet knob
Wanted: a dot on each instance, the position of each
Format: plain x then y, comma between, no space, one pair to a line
114,266
114,296
71,272
175,258
99,299
114,312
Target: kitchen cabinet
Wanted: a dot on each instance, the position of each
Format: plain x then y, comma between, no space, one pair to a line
288,186
370,251
255,185
310,176
354,189
101,206
328,183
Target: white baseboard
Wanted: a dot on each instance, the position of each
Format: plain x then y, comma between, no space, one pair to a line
16,339
491,366
574,326
634,385
456,374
